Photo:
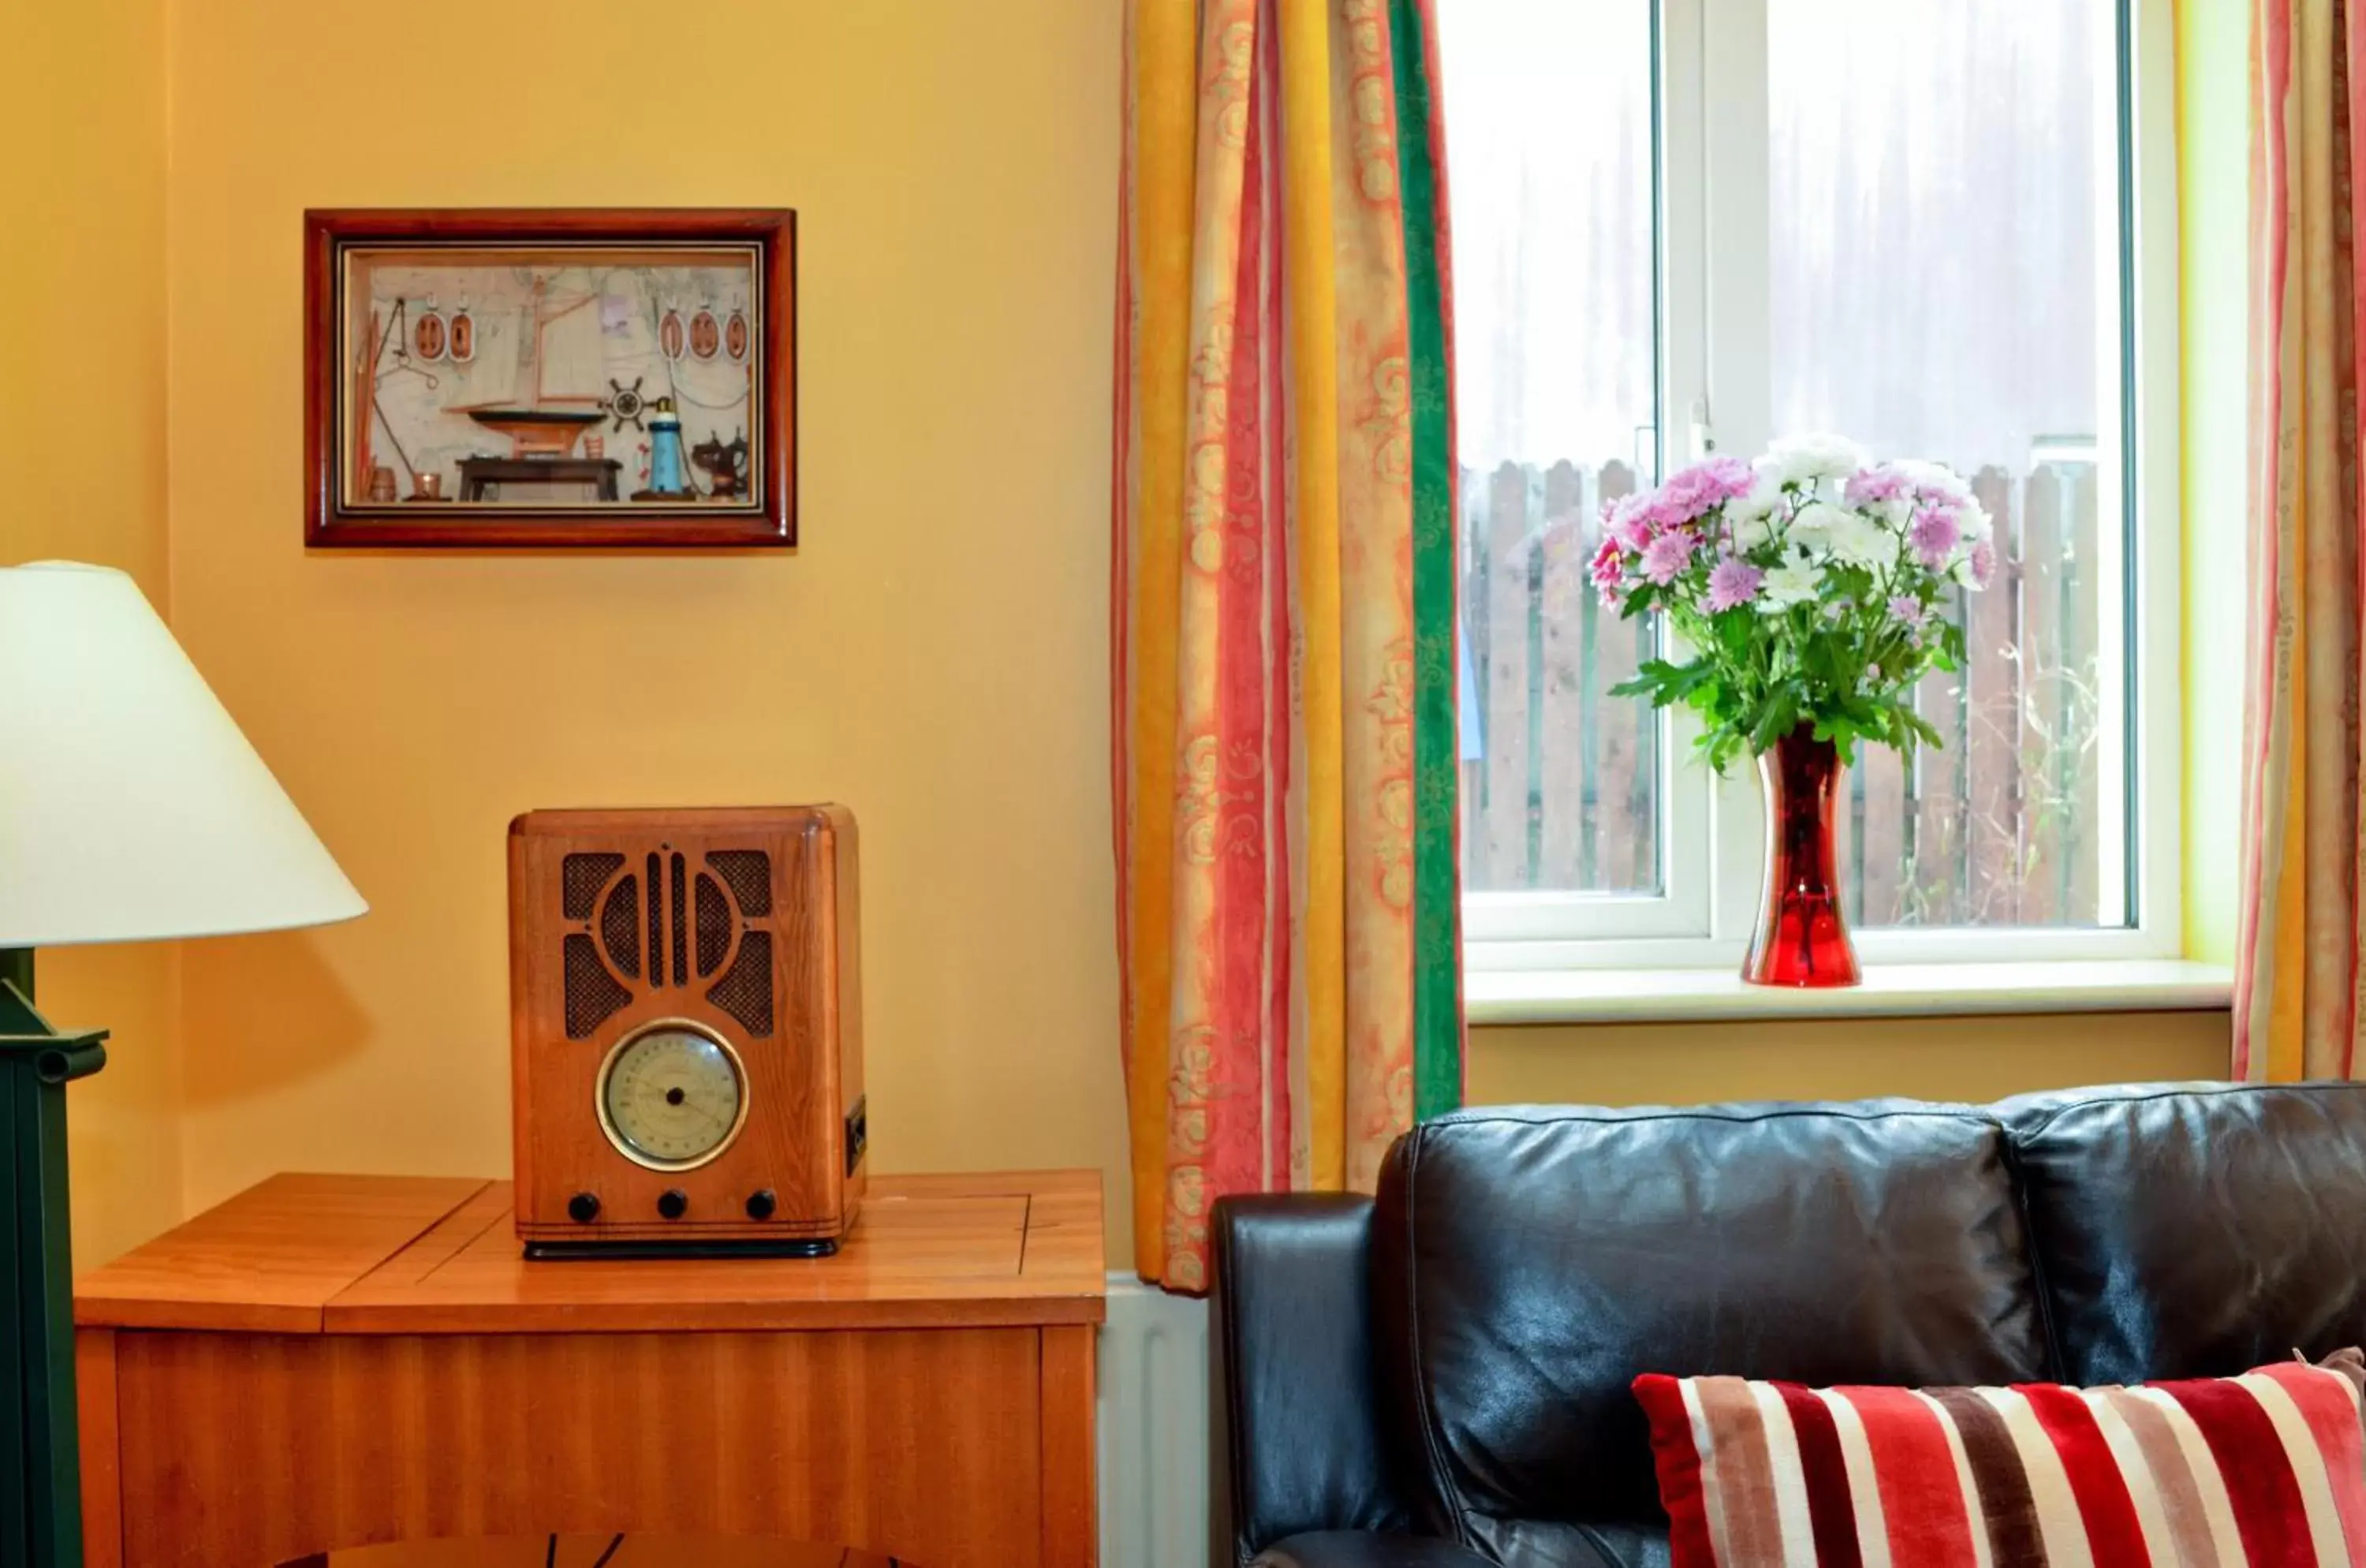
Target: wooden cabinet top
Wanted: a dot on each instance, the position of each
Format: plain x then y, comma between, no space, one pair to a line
434,1254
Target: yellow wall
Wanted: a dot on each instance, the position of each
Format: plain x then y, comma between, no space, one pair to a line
934,654
1975,1059
82,445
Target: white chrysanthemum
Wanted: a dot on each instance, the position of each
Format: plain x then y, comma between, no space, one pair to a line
1811,459
1937,479
1975,523
1860,541
1815,526
1797,579
1764,495
1751,516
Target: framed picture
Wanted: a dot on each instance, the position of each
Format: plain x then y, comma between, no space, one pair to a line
513,377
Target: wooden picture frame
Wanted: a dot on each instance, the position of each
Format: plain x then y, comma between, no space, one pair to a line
470,331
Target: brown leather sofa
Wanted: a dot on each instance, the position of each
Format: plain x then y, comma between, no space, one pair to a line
1437,1377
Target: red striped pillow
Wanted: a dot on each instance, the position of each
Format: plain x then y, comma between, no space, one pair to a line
2269,1468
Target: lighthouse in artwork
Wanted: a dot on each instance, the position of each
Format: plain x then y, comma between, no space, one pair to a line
667,477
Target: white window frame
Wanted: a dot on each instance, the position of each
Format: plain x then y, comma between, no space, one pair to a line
1715,393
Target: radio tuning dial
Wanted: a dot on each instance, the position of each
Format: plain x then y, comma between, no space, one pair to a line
672,1095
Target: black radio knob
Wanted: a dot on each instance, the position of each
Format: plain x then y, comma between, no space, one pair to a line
673,1203
583,1208
761,1204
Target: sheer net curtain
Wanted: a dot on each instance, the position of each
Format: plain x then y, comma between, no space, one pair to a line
1551,104
1934,197
1945,284
1939,282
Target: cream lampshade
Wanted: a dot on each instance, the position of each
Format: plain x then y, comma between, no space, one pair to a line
130,806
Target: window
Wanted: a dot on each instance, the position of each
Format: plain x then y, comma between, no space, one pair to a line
1694,225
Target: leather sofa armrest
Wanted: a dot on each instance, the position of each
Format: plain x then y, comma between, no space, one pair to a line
1292,1416
1362,1549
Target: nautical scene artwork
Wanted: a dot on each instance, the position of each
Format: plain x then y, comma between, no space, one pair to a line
558,380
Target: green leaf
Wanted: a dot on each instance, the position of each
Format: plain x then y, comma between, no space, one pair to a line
1780,716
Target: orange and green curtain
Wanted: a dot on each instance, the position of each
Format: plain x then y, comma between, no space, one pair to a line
2297,970
1283,628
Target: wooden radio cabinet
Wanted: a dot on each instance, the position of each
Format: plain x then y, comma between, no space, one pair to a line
686,1030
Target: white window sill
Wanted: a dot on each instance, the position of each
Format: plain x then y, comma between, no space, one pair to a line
1890,990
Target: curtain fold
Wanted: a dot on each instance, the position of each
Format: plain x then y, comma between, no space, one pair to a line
2298,944
1282,605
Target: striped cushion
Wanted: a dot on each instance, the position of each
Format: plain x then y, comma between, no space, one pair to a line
2269,1468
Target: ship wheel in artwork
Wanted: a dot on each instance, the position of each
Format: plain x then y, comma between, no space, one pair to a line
625,404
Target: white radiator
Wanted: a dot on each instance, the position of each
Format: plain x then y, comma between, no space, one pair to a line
1154,1429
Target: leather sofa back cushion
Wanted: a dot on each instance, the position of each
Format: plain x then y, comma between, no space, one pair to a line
1528,1264
2191,1231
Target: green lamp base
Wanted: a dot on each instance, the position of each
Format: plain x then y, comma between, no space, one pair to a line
40,1465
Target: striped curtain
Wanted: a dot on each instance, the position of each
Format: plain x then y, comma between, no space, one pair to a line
1283,623
2297,960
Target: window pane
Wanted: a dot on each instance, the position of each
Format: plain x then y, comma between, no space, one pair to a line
1556,359
1946,272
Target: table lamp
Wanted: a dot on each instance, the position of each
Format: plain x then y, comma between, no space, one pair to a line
131,809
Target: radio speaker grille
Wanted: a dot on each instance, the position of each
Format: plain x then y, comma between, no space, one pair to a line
581,877
746,990
620,927
749,874
713,924
592,994
665,921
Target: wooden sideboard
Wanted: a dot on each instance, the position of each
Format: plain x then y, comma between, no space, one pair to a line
331,1362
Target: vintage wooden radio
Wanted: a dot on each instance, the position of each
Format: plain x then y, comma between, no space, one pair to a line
686,1030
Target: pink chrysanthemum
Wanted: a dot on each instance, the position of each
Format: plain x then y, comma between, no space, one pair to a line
1607,568
1627,520
1732,478
1907,609
1982,563
1667,556
1939,487
1691,493
1732,584
1934,535
1870,486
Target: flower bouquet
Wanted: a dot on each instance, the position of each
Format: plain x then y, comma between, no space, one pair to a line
1808,592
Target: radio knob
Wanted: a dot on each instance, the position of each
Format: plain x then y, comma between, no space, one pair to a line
761,1204
583,1208
673,1203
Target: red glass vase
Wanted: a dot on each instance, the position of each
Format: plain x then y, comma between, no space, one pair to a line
1801,939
